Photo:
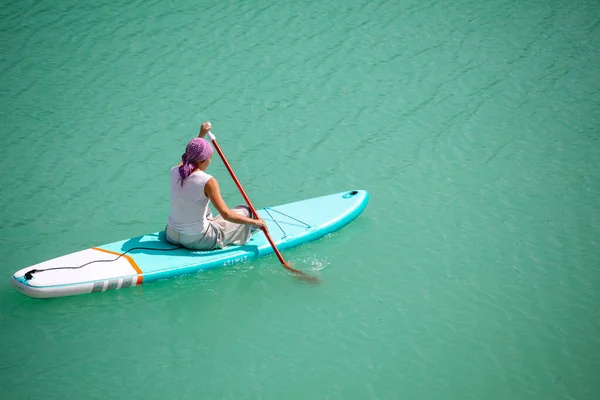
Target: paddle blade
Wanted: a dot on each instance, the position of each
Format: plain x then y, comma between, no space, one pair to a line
303,276
313,280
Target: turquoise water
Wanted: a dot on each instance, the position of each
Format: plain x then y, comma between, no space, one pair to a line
472,274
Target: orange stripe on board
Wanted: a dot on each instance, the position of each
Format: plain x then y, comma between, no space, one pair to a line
133,264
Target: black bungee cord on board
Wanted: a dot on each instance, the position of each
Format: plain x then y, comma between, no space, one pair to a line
29,274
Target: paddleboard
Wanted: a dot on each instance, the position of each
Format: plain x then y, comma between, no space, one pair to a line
150,257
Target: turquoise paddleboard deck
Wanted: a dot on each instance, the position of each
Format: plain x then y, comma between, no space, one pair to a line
150,257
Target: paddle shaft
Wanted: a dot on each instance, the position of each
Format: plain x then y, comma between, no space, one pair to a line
245,196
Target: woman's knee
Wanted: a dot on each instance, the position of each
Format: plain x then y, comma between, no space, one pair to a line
245,210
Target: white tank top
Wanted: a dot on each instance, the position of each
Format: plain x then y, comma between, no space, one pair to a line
189,205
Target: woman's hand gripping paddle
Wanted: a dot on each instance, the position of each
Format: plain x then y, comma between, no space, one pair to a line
297,273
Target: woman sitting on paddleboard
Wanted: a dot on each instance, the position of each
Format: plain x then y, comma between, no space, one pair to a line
191,223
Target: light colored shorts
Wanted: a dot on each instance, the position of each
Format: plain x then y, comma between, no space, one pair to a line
220,233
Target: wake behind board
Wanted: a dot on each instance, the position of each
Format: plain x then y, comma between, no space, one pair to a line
100,268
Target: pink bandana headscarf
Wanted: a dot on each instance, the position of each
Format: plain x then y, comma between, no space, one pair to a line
197,150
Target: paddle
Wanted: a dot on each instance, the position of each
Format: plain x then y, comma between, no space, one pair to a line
297,273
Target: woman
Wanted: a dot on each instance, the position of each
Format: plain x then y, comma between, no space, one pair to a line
191,223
